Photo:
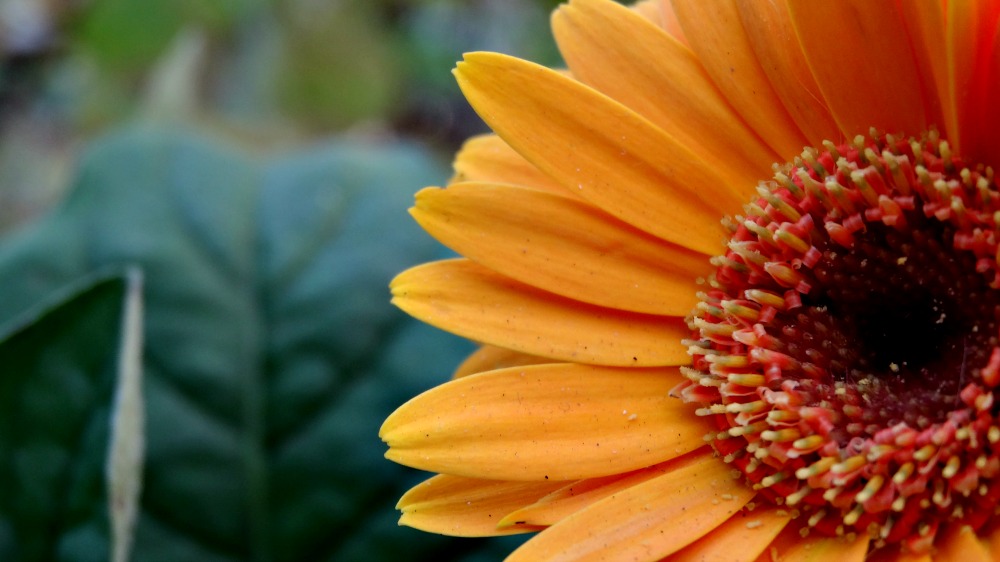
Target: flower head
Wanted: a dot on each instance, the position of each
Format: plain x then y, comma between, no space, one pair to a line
736,277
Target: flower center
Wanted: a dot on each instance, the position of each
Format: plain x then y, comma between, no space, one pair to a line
847,345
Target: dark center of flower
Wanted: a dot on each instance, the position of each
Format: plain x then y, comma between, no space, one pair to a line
847,345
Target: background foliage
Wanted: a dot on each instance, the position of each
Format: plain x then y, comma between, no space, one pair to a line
251,161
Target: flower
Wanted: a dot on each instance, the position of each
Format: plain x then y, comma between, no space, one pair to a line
693,353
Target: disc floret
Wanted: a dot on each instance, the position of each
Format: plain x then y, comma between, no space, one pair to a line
847,344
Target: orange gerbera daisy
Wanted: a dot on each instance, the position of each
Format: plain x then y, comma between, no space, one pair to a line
692,353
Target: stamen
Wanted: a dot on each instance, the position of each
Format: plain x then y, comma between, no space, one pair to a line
848,346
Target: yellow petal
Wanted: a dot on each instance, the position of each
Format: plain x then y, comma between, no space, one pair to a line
469,300
574,497
867,75
467,507
545,422
718,38
645,522
487,158
740,539
600,150
791,547
491,358
616,51
959,543
769,31
564,246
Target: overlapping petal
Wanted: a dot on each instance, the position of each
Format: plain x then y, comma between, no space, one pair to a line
467,507
770,33
792,546
492,358
511,424
600,149
562,245
573,497
616,51
645,522
487,158
742,538
586,220
482,305
718,38
868,76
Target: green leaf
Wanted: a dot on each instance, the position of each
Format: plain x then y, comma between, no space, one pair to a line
60,364
271,353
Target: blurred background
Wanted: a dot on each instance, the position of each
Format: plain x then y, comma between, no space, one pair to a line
265,72
255,159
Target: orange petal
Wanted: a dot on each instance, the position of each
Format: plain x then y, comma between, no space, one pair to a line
740,539
971,29
769,30
718,38
650,9
925,24
574,497
645,522
469,300
563,246
487,158
790,546
893,553
991,540
619,53
600,150
669,22
985,144
959,543
467,507
545,422
867,75
491,358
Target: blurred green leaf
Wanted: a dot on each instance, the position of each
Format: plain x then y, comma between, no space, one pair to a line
272,354
59,375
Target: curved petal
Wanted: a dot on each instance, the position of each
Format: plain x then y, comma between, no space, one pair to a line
718,38
467,507
545,422
740,539
867,75
492,358
574,497
769,30
481,305
563,246
645,522
487,158
959,543
601,150
617,52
